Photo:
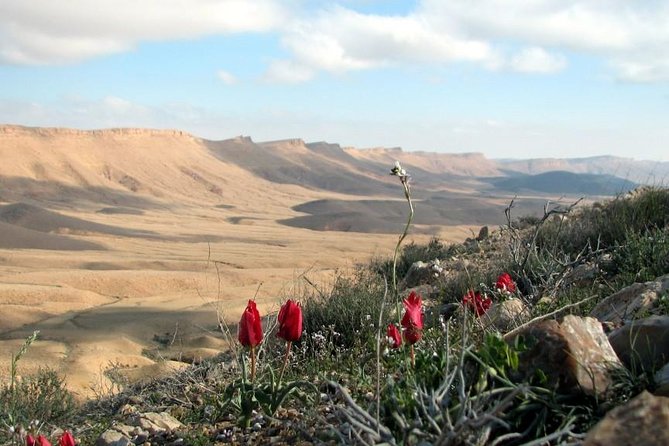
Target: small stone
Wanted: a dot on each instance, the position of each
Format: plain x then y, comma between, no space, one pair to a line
126,409
156,422
662,381
113,437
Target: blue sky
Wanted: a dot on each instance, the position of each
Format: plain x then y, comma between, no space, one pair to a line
509,78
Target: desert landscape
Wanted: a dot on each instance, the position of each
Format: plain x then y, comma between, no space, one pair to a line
123,247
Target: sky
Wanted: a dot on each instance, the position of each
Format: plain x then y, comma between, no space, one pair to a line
508,78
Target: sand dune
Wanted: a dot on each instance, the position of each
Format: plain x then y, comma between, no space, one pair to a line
17,237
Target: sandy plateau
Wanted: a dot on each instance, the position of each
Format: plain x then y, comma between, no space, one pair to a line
122,248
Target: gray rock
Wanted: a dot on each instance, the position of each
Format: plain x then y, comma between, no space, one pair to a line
422,273
575,355
113,437
641,421
643,344
506,315
632,301
582,274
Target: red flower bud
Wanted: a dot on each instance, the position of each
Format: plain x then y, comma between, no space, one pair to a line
476,302
66,439
505,283
250,328
30,440
290,321
394,336
412,321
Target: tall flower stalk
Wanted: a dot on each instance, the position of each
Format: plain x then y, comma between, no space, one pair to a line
399,172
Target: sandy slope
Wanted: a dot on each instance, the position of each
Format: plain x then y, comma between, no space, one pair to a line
96,309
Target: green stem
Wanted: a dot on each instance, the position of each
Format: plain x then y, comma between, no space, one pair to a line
253,363
407,195
285,361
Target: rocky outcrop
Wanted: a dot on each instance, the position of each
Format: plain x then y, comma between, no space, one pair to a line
139,428
574,355
642,421
632,301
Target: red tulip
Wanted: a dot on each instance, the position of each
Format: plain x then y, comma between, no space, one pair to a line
394,336
30,440
66,440
250,328
290,321
505,283
476,302
412,322
42,441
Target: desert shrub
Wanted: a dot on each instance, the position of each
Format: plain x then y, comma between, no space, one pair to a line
609,224
347,313
642,256
414,252
41,396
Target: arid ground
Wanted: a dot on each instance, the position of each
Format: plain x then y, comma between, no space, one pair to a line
121,263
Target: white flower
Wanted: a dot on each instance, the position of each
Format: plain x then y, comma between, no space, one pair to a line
397,170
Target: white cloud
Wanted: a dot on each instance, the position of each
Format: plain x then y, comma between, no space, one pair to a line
289,72
338,40
226,77
632,35
53,32
537,60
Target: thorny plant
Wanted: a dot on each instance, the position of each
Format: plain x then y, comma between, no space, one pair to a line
545,264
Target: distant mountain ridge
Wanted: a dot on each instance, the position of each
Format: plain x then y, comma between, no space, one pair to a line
142,169
638,171
312,185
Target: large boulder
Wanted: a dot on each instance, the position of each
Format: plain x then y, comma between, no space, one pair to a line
643,344
574,355
632,301
641,421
